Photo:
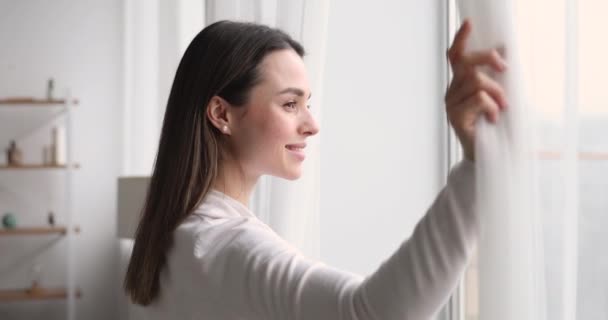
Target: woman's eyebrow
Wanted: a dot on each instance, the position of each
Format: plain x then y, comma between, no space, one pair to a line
296,91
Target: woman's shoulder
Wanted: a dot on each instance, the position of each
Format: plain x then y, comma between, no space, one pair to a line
205,236
222,221
210,249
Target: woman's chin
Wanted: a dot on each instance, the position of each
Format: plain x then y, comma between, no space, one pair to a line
293,174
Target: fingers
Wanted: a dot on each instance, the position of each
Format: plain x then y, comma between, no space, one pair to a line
473,92
460,41
481,102
474,60
470,85
461,61
487,57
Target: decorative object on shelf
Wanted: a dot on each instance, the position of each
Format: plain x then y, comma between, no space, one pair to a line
58,146
35,273
9,221
51,219
49,89
14,156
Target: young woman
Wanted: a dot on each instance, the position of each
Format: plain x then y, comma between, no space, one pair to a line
238,110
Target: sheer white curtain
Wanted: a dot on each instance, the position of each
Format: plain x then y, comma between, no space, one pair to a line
511,269
156,33
543,169
291,208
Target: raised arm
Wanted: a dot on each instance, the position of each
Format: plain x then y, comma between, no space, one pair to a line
265,278
270,280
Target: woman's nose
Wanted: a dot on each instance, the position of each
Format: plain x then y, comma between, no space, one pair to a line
309,127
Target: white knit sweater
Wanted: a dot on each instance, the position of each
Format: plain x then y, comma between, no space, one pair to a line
226,264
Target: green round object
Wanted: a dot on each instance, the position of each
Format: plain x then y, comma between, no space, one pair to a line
9,221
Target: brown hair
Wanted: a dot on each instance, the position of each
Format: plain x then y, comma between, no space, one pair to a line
222,60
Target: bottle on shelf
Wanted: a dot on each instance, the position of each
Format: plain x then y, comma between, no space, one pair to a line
35,276
14,155
51,219
57,148
49,89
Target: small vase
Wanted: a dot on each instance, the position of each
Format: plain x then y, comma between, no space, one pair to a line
9,221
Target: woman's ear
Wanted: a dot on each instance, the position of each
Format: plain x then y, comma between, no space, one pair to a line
217,113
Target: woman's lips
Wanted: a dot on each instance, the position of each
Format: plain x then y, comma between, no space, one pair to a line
297,150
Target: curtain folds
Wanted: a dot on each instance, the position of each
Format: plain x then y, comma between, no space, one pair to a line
511,271
533,172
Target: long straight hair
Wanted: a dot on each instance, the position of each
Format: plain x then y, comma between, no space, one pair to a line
222,60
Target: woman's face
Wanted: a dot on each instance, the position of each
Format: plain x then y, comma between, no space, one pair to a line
269,135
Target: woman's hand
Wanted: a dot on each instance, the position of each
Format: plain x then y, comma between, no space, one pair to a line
472,93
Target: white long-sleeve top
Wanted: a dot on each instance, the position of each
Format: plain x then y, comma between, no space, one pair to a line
226,264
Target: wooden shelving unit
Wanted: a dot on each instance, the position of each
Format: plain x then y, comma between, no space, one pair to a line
22,116
32,231
7,295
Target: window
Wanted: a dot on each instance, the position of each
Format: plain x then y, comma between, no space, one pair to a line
564,50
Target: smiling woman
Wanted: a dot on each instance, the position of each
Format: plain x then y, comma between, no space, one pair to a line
225,125
238,109
268,132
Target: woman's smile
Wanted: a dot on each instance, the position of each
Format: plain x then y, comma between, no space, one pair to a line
297,150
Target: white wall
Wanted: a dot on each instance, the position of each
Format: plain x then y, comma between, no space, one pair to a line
79,43
382,127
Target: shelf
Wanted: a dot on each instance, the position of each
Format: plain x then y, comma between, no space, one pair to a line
21,102
36,166
29,231
35,294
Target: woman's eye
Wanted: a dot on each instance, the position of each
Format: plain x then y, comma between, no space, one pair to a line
291,104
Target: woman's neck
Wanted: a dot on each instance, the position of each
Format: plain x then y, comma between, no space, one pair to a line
234,183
